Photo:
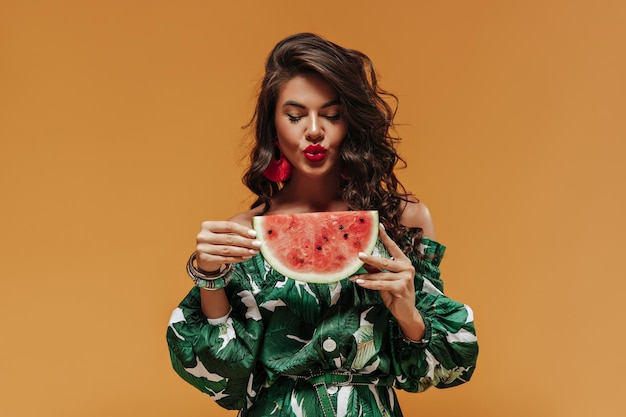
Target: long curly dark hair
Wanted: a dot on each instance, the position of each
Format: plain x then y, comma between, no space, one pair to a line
368,152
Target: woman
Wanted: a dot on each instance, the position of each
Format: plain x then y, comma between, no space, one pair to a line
268,345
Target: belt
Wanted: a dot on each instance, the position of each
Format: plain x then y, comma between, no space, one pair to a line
321,380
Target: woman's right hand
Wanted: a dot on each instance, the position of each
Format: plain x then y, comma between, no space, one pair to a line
224,242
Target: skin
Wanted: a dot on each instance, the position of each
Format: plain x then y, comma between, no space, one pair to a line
307,112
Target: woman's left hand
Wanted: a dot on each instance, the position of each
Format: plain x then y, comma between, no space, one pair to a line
394,279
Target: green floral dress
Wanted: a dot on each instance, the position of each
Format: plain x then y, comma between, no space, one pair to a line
281,331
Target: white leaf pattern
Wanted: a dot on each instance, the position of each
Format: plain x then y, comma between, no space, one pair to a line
226,333
343,395
462,336
364,337
429,288
247,298
335,292
272,304
200,371
177,317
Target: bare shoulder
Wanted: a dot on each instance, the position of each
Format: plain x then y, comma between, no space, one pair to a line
245,218
416,214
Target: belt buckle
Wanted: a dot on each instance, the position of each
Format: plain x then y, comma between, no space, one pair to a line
348,382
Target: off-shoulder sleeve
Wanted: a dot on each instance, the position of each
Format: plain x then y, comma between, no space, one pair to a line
447,355
218,358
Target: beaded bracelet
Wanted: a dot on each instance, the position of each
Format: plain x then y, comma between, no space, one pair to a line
210,281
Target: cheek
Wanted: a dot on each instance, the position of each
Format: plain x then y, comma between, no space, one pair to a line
287,137
282,129
344,131
340,133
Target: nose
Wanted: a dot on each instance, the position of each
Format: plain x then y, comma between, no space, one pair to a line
314,131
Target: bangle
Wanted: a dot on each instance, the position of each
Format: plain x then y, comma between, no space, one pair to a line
209,280
198,273
424,341
212,284
415,342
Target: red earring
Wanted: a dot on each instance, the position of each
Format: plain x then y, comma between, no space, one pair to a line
279,169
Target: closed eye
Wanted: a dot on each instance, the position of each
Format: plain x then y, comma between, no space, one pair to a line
294,119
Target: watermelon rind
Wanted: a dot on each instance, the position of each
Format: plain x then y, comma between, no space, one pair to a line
352,265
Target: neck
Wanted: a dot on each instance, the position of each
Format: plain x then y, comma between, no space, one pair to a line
304,194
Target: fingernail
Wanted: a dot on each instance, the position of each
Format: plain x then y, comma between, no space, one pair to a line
362,255
382,226
256,243
253,252
252,232
246,257
360,281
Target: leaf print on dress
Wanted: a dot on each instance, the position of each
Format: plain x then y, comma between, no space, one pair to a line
365,346
296,320
304,402
271,305
286,345
382,411
439,375
343,400
335,292
429,288
251,393
303,287
301,301
247,298
462,336
226,333
177,317
296,407
200,371
449,376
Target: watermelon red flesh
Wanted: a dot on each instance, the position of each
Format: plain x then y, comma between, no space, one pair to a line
317,247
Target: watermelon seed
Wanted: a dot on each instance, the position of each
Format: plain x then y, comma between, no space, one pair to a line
319,248
361,219
269,232
341,227
345,235
325,239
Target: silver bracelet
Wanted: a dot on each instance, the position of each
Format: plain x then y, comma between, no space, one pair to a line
209,280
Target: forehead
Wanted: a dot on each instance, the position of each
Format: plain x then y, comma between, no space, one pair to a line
308,89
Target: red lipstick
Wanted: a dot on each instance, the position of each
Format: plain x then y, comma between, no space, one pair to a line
315,152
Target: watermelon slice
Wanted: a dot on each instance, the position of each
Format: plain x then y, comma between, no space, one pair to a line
317,247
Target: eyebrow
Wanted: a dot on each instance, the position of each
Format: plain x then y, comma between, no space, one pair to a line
302,106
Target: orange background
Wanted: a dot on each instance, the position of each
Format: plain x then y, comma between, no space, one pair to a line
120,132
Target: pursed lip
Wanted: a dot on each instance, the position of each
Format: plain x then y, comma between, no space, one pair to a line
315,149
315,152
